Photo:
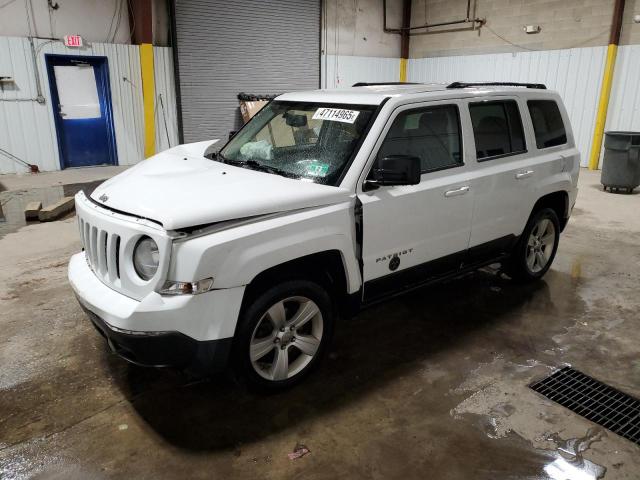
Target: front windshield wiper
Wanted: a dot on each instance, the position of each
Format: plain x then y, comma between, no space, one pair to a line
254,165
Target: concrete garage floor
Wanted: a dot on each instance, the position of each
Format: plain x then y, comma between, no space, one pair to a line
430,385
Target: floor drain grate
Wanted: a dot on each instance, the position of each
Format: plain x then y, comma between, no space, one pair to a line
594,400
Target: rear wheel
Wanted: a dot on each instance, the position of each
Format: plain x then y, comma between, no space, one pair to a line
537,247
283,334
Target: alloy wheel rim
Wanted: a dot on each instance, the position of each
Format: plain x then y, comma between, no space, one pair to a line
540,245
286,338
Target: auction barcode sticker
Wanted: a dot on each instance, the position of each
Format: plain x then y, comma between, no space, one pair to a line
336,115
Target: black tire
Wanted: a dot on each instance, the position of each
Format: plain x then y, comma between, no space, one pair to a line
252,314
517,266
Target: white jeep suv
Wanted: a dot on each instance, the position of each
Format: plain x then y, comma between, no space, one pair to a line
324,202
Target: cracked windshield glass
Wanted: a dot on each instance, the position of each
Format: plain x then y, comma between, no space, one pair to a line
310,141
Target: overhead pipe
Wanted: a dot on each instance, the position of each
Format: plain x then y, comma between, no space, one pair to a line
607,81
39,96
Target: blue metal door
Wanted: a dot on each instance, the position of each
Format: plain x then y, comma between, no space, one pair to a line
81,102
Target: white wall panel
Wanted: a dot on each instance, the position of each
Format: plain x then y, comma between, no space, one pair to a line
27,128
126,98
624,104
575,73
24,124
165,106
340,71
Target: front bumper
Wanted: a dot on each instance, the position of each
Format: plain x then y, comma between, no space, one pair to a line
182,330
169,349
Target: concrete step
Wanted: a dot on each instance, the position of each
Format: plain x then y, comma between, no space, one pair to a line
57,210
32,210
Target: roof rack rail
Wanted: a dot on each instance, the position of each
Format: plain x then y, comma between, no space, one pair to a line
539,86
368,84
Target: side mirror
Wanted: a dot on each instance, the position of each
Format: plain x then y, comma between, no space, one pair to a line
396,170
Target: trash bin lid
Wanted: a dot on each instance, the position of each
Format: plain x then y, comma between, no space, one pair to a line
622,133
622,140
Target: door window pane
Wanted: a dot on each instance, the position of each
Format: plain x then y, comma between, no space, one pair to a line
431,134
547,123
497,128
77,91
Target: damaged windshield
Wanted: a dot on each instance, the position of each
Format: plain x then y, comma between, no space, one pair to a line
313,141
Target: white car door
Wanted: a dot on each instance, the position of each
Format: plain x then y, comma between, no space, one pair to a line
504,175
413,233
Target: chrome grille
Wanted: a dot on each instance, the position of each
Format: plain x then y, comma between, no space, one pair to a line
109,239
102,250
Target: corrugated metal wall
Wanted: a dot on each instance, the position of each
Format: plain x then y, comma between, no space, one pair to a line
339,71
624,105
27,128
166,114
575,73
232,46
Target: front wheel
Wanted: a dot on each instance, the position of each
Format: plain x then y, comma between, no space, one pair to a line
283,334
534,253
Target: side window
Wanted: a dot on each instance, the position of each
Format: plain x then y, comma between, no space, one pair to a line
431,134
497,128
547,123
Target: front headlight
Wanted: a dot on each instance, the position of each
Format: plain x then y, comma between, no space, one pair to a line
146,258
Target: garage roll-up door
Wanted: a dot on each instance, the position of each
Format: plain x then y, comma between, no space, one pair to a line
232,46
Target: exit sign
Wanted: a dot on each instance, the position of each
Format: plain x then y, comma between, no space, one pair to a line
72,40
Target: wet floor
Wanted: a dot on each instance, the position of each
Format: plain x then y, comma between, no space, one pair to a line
13,202
430,385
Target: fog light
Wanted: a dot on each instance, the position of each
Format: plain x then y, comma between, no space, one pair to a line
186,288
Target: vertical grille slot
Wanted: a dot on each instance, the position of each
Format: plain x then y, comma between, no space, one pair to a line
112,245
87,243
102,252
81,228
117,256
93,240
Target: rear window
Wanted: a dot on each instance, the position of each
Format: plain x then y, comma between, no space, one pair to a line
547,123
497,128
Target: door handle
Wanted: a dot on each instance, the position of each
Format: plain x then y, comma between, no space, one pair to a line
525,174
456,191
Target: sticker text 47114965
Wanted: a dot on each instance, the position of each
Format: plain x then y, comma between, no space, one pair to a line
336,115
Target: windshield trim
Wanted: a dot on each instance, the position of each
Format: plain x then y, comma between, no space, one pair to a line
356,149
373,108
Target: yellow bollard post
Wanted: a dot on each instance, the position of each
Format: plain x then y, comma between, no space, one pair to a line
603,106
148,95
403,69
607,81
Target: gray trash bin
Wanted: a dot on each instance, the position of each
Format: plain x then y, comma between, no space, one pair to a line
621,164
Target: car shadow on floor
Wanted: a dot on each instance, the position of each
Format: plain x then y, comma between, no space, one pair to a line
479,312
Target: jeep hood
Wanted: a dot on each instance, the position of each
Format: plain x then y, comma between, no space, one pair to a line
180,188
